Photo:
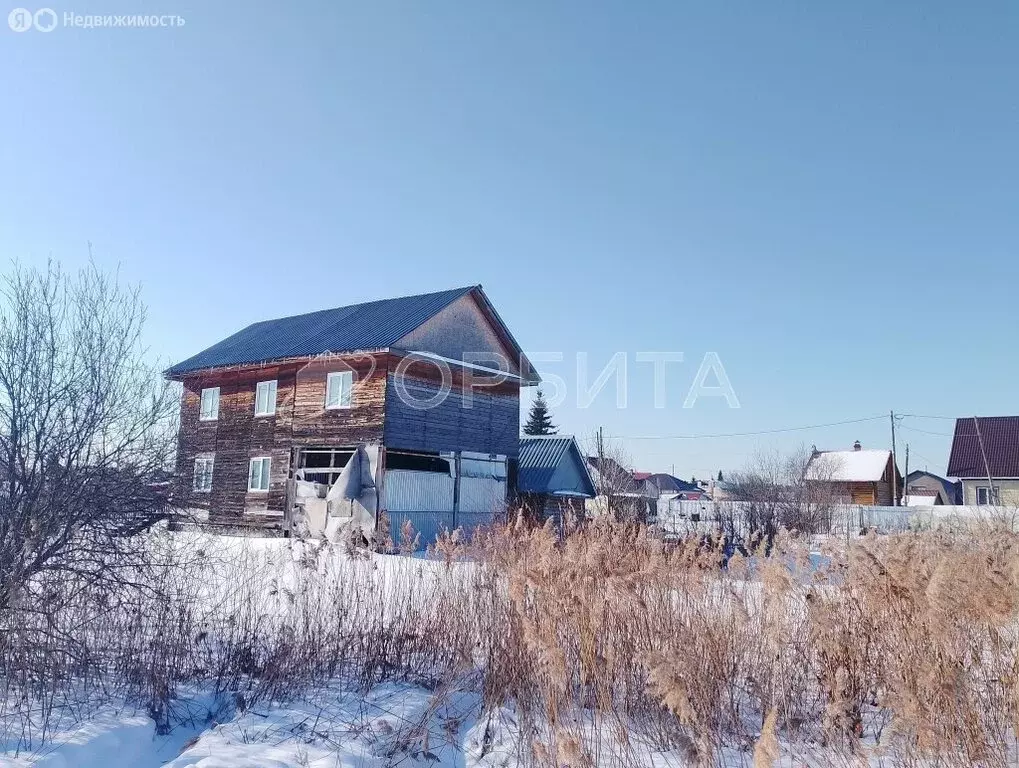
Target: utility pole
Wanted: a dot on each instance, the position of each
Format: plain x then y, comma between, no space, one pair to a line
905,475
601,470
895,463
987,466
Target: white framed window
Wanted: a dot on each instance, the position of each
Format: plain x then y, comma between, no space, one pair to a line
265,398
986,496
210,404
204,463
258,473
339,385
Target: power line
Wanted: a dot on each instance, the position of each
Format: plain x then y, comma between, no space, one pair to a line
746,434
926,431
925,458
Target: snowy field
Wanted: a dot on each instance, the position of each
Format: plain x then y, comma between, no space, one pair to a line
296,654
414,722
394,723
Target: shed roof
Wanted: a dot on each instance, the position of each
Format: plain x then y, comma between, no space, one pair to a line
541,456
1000,435
368,326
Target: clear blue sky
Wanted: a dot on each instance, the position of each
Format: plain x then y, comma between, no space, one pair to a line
825,194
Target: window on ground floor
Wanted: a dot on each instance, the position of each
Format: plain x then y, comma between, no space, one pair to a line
203,472
987,495
322,465
258,473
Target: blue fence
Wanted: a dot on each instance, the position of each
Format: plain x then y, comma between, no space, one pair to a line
430,524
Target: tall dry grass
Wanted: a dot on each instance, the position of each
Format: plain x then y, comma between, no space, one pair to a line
603,647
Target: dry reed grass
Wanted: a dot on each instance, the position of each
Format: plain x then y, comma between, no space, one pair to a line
606,644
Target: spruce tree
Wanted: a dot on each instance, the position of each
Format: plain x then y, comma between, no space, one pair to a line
720,478
539,420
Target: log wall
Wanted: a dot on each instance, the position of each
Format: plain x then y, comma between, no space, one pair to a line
378,414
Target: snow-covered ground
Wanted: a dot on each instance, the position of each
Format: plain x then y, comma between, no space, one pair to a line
408,720
393,724
404,723
408,723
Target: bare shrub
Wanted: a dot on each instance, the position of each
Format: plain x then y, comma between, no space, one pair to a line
86,433
773,491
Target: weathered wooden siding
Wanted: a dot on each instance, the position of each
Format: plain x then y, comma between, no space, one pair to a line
313,424
238,436
489,424
458,330
378,413
194,437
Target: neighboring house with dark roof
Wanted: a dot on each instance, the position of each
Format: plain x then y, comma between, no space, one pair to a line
671,487
619,492
857,476
552,476
985,457
920,483
410,380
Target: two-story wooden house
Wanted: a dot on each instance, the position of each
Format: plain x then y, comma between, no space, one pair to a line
431,383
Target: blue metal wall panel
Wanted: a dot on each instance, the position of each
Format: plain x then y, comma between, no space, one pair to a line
490,425
430,524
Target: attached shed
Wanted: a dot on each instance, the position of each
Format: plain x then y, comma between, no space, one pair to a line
553,477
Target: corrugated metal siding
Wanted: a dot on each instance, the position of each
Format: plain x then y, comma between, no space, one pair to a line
374,325
410,491
553,465
539,457
482,495
426,500
430,524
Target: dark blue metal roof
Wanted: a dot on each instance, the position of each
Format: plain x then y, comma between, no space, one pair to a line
374,325
539,459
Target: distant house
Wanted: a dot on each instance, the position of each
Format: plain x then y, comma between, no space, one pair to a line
720,490
985,457
857,476
293,418
671,487
619,493
920,484
671,493
553,477
644,484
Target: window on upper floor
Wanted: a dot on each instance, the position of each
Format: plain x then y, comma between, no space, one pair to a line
265,398
209,410
339,385
204,464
